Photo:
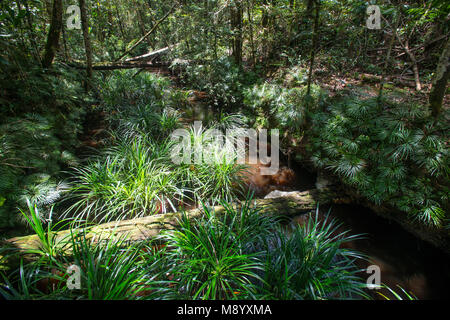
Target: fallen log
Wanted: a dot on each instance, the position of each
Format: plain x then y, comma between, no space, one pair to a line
102,66
151,55
139,229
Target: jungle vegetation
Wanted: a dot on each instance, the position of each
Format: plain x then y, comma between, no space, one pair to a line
91,94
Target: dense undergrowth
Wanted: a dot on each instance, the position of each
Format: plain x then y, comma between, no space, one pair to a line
239,254
135,175
388,150
391,153
41,119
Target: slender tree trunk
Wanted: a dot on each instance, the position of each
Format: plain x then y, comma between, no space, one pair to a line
415,67
53,34
236,26
440,80
120,22
66,51
87,41
388,58
314,45
250,23
32,33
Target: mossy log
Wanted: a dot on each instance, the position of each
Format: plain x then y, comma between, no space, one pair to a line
113,66
285,204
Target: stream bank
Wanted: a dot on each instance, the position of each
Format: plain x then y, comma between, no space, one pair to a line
404,260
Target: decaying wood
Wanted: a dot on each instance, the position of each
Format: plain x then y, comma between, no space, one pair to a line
114,66
151,55
290,204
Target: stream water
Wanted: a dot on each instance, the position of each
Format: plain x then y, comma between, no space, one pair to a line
404,260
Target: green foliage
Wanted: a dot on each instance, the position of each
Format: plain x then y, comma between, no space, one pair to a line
136,175
398,296
115,269
208,256
391,153
283,108
110,270
38,136
222,80
237,253
240,254
217,176
309,262
48,247
133,179
123,90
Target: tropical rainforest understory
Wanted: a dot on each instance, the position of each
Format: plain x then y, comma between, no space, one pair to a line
91,93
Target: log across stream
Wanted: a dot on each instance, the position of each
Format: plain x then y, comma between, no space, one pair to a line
415,265
149,227
404,260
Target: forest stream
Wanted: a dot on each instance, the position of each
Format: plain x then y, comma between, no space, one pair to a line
404,260
225,151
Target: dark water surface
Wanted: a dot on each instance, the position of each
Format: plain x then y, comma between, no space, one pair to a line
404,260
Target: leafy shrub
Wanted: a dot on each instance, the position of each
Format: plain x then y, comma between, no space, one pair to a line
135,178
39,126
208,256
122,89
309,263
31,157
279,107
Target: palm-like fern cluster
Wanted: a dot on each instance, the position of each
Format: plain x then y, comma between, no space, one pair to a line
391,153
222,79
38,135
280,107
137,176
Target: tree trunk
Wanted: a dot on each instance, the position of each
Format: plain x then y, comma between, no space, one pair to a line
415,67
314,45
32,33
250,23
388,58
236,27
87,41
53,34
440,80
